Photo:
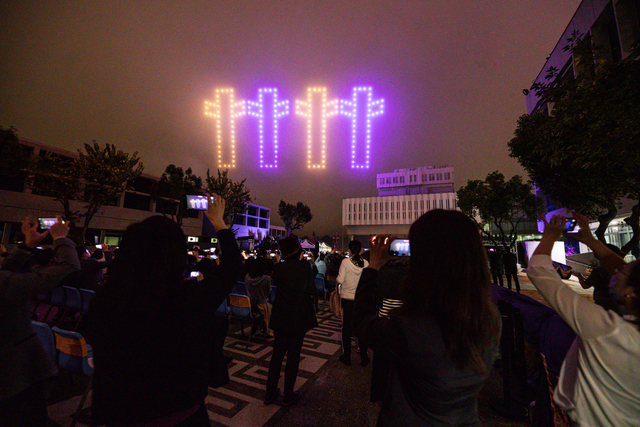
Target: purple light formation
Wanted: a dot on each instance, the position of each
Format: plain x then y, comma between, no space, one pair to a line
361,116
263,110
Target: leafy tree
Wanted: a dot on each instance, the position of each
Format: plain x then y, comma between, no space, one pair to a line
235,194
584,155
294,216
503,204
97,177
170,191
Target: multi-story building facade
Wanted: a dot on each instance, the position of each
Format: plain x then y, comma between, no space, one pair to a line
613,26
403,195
18,200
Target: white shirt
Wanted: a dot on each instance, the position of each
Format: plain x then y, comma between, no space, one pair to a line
349,276
599,383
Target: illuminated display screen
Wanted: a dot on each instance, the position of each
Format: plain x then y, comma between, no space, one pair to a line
316,110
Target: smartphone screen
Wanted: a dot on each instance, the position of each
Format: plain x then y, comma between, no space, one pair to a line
197,202
46,223
400,247
570,225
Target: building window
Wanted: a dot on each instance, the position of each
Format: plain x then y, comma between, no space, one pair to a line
137,201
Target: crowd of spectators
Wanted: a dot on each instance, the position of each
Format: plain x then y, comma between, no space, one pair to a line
429,320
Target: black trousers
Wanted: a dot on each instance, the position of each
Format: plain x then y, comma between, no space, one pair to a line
515,279
347,331
291,346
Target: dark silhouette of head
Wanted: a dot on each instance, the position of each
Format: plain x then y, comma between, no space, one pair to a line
259,267
290,247
152,257
449,280
355,247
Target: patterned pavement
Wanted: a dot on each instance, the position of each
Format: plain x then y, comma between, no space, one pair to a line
239,403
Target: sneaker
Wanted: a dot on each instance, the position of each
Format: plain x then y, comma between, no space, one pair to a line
269,398
345,360
291,399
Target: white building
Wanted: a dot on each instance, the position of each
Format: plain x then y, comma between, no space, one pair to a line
403,196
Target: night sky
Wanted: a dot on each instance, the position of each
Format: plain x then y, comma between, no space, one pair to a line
137,74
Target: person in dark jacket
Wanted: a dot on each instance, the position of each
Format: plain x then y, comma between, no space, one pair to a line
292,316
443,341
24,365
152,331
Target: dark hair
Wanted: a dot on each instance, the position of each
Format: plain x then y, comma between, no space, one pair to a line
97,254
43,257
355,247
152,257
449,280
259,267
289,247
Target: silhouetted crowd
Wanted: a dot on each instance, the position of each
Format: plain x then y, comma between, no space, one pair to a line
429,320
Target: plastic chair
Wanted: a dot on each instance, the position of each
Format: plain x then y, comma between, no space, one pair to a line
272,294
57,299
72,301
239,288
46,338
86,295
75,355
240,308
224,308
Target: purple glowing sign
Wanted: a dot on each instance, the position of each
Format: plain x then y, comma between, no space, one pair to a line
361,114
316,110
268,114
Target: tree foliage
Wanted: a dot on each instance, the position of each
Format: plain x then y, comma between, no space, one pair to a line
584,155
97,177
235,194
503,204
170,191
294,216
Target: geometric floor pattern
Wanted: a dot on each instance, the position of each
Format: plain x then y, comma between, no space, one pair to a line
239,403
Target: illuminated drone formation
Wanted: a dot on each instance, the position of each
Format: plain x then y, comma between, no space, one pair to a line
316,110
307,110
360,113
233,111
263,110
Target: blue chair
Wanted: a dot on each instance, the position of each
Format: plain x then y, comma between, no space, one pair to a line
272,294
240,308
239,288
75,355
57,299
86,295
224,308
45,335
72,301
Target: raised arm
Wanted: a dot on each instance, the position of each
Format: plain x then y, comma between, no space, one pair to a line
230,266
584,317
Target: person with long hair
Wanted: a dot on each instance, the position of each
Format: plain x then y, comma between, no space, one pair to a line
152,329
598,383
443,340
348,277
